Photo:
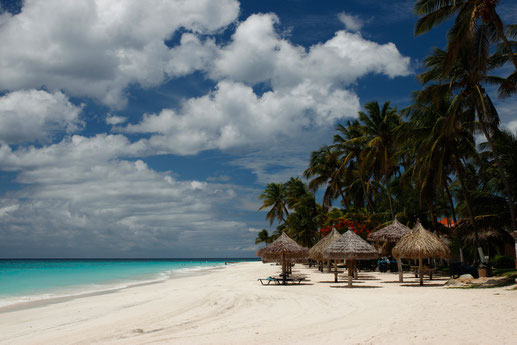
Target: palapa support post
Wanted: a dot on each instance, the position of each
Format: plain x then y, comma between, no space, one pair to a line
335,270
420,244
350,246
399,267
350,268
284,269
420,270
328,266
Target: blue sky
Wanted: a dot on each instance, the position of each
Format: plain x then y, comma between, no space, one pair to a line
148,129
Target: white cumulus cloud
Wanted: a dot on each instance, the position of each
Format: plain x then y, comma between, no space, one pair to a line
306,90
258,54
233,116
96,48
80,198
36,115
351,22
115,119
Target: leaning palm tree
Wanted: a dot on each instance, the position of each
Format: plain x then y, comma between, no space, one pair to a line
379,132
274,197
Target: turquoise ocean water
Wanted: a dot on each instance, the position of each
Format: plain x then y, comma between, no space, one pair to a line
33,280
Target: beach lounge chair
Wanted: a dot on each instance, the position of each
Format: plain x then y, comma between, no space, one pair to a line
286,281
268,280
295,280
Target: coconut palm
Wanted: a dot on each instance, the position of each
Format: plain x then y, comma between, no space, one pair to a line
274,197
464,82
263,237
473,18
350,143
378,127
442,141
303,222
324,167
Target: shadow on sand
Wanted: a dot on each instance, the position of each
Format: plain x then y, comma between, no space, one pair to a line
357,286
426,284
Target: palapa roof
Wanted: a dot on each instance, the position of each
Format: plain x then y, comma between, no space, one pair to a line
316,252
350,246
283,245
420,243
487,232
391,233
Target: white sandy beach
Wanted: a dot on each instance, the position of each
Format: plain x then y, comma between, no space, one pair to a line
229,306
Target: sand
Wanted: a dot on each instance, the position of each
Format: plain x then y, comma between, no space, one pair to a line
229,306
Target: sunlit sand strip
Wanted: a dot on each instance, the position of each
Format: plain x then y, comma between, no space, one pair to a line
229,306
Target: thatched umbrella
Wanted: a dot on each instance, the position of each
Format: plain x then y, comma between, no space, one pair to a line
420,243
350,247
391,234
316,252
283,249
488,232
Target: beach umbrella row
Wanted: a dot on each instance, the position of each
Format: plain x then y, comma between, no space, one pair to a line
412,244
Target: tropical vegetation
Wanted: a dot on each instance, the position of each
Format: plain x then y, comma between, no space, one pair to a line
444,156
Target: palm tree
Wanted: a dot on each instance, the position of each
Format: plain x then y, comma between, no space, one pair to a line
274,196
263,237
442,140
350,143
464,81
378,132
473,17
324,168
304,221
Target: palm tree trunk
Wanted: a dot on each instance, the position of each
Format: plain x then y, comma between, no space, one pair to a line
367,196
343,197
389,196
433,218
286,214
466,194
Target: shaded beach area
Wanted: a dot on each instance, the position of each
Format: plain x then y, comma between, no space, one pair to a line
229,306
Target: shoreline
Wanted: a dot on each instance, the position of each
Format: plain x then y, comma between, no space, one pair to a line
229,306
12,303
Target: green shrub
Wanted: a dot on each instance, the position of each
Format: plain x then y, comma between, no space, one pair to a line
500,261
